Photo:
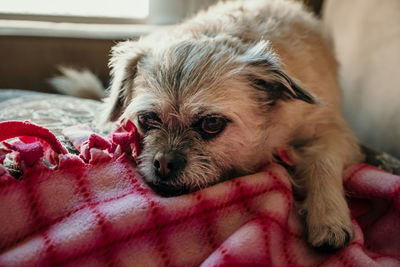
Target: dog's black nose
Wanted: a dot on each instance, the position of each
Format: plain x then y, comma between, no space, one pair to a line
168,165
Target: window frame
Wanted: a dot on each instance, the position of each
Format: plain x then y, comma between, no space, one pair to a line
72,18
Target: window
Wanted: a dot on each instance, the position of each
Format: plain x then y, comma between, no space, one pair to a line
71,10
110,11
111,19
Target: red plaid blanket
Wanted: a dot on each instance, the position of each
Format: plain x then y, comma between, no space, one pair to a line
95,210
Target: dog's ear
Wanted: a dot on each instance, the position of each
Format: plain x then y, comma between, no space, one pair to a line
279,86
264,73
123,64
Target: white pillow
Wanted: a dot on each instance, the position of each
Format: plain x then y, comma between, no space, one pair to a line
366,36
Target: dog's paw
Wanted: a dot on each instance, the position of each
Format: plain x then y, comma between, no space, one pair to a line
328,223
329,238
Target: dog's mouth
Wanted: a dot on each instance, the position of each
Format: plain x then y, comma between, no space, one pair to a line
167,190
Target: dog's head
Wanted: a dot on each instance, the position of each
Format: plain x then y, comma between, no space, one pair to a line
204,106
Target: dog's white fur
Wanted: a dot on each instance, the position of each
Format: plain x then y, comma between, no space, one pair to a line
79,83
207,65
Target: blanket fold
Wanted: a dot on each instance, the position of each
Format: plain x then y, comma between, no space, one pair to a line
93,209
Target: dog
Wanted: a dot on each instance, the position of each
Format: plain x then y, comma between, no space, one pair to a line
218,95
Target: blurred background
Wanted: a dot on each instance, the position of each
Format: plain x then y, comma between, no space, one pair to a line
37,36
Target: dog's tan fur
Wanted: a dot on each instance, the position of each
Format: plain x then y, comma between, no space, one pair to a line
209,65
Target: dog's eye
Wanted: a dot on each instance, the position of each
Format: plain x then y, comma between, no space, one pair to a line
148,121
211,126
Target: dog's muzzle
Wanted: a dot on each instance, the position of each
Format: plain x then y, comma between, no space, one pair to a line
168,165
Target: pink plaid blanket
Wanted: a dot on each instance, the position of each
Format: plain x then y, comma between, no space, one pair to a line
95,210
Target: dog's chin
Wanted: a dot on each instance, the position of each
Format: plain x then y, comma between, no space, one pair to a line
172,189
167,190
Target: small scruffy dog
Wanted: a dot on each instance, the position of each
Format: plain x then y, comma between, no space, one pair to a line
217,96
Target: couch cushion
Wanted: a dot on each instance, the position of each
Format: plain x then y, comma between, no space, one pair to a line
54,112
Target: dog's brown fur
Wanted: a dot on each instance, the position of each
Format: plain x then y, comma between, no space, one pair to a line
266,68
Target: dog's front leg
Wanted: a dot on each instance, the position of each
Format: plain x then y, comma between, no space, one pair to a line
319,168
